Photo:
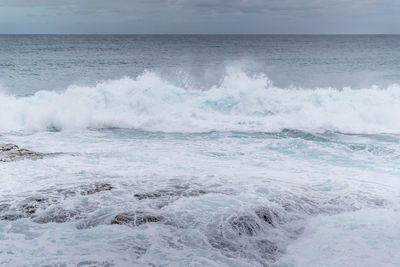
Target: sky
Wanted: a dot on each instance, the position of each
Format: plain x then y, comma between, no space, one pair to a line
200,16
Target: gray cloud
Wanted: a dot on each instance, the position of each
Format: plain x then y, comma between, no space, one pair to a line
225,6
201,16
262,6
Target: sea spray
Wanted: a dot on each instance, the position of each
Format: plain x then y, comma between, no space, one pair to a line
240,102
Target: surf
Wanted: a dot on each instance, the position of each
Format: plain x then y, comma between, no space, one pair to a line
240,102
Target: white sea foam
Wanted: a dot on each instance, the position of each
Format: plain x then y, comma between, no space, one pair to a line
240,102
321,185
363,238
332,199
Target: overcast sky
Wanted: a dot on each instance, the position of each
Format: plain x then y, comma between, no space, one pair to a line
199,16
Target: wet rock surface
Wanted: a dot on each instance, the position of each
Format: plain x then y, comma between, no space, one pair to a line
11,152
135,218
96,188
163,197
269,216
260,233
177,193
245,225
48,207
255,231
263,233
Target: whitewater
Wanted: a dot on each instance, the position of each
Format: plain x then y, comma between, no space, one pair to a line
112,155
238,103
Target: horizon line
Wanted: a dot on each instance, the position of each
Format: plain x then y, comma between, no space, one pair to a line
199,33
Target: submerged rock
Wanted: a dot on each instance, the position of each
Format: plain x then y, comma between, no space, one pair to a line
48,206
57,215
163,197
269,216
8,147
178,192
11,152
11,217
84,190
33,204
135,219
96,188
251,234
245,225
251,223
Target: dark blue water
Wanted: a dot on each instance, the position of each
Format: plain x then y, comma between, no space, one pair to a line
52,62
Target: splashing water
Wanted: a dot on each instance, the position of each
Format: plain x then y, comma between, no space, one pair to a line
186,184
239,103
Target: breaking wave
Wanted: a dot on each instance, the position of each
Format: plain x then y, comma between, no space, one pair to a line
240,102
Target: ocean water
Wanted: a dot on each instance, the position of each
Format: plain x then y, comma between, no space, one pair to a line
199,150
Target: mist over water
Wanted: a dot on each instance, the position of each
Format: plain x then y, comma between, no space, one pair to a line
199,150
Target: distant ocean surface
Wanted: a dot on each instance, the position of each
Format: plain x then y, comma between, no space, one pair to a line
199,150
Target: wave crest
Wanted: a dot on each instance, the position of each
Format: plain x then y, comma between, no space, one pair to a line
240,102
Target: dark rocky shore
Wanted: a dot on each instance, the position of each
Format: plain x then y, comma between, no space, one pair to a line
11,152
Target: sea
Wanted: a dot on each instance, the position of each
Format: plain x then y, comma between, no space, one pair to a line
200,150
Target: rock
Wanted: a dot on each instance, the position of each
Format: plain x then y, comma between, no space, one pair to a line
170,193
11,152
268,216
48,206
159,194
248,233
245,225
58,215
8,147
164,197
33,204
96,188
135,219
11,217
84,190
